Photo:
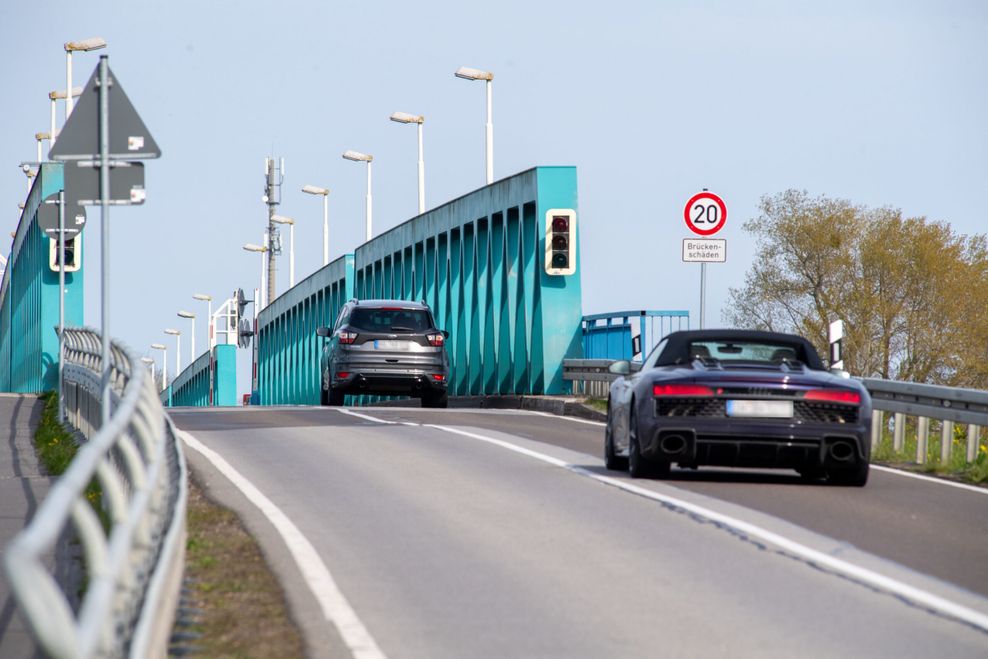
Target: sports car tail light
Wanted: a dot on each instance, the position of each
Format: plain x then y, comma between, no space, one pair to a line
438,377
346,338
436,340
682,390
834,396
342,375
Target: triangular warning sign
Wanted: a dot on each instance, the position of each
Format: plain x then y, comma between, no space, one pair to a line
129,137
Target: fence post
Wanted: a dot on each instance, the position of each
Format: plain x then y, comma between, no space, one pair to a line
877,426
973,440
898,431
946,440
922,438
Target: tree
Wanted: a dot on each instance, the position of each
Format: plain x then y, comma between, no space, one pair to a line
913,295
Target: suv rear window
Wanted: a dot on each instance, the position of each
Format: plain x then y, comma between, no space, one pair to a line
390,320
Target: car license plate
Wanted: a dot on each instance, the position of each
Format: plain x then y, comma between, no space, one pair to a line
387,344
771,409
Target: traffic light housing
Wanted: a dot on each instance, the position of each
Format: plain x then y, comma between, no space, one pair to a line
73,253
560,241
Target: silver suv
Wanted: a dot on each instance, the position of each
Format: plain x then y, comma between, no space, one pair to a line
389,347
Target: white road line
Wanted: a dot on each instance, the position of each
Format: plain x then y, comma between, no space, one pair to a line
334,605
863,575
364,416
575,419
931,479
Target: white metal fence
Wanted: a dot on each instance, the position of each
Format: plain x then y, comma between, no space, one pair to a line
134,556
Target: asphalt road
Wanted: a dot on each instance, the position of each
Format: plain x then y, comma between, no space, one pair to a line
499,534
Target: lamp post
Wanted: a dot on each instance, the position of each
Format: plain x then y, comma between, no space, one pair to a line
54,96
29,173
210,333
467,73
147,361
192,335
39,138
178,349
281,219
262,250
93,43
164,362
405,118
312,189
356,156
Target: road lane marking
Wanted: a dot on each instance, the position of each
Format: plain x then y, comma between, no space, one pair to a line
364,416
930,479
334,605
812,556
575,419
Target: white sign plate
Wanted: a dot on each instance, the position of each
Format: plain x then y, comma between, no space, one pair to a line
705,250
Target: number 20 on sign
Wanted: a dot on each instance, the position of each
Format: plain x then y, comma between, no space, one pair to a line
705,213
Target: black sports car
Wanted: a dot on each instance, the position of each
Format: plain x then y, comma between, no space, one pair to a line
737,398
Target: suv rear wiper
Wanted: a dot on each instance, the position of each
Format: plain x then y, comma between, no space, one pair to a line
399,328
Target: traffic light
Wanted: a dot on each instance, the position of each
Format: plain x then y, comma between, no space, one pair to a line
73,253
560,241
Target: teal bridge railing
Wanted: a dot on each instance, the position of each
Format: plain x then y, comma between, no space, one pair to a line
629,334
478,261
29,297
211,379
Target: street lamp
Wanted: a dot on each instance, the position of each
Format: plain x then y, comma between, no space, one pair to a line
281,219
405,118
356,156
262,250
94,43
208,299
312,189
29,173
147,361
39,138
192,336
164,362
178,349
54,96
476,74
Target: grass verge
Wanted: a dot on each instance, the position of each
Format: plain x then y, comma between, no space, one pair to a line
244,613
56,448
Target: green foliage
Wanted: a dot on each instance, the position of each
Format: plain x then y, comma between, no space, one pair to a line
912,294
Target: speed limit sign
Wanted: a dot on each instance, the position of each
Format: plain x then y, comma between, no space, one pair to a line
705,213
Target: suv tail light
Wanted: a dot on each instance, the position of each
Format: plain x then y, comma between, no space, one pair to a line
436,340
834,396
346,338
682,390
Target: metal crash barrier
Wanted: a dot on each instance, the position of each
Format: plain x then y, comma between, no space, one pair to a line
134,557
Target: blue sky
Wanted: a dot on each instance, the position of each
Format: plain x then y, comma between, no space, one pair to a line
882,103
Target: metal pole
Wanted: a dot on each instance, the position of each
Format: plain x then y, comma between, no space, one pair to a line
272,232
68,83
291,255
369,212
210,325
192,340
51,127
61,302
490,135
164,369
325,229
178,354
421,173
104,183
39,152
703,293
265,268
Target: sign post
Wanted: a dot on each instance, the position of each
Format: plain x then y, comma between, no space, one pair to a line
104,132
705,214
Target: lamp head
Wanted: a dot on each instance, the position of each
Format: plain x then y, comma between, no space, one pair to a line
357,156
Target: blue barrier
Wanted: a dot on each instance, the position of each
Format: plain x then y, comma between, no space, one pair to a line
29,298
629,334
478,262
210,380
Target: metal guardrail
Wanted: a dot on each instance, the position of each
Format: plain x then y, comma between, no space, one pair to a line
949,405
133,566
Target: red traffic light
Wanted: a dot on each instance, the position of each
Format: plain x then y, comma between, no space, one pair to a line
560,223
